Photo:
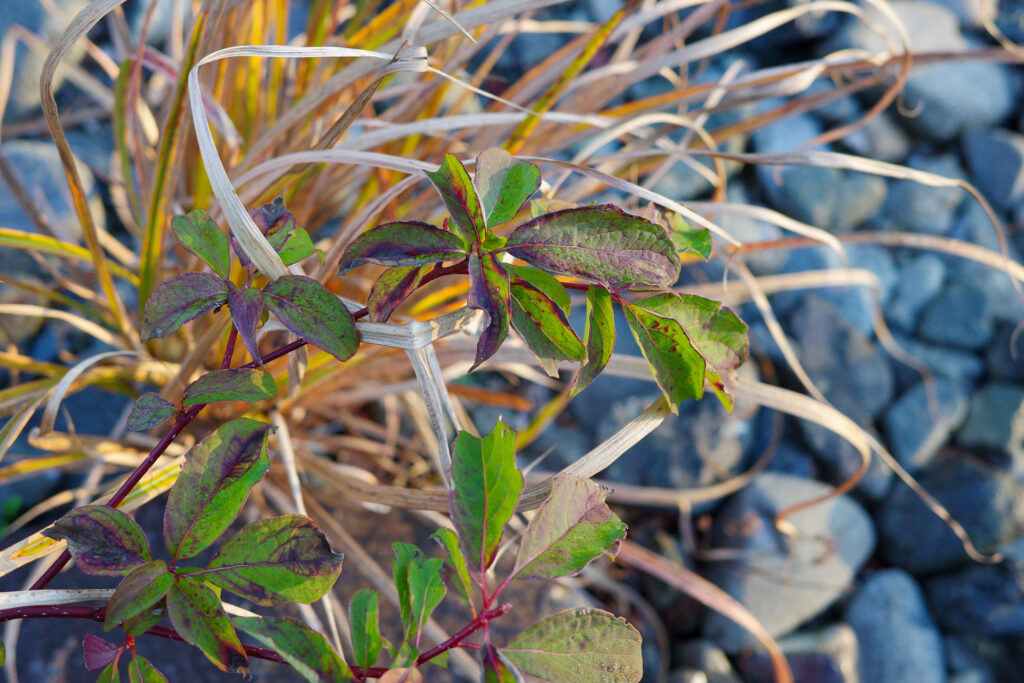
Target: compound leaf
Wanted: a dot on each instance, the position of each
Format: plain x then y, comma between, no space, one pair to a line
571,528
246,307
139,591
199,618
103,541
392,288
99,653
543,326
363,617
459,196
504,184
598,336
236,384
276,560
678,367
214,482
602,244
456,563
489,292
200,235
403,243
149,410
307,651
180,299
485,491
583,645
306,308
141,670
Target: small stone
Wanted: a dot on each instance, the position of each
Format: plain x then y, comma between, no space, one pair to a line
996,420
963,367
784,580
996,160
747,229
920,279
880,138
1005,354
898,640
705,657
918,425
15,329
923,208
828,655
958,316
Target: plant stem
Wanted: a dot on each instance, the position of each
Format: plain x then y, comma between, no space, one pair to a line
478,622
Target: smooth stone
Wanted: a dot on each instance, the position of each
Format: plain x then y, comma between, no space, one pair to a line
898,639
920,279
995,158
958,316
881,138
793,461
918,425
16,329
995,421
827,198
922,208
986,501
747,229
784,580
966,655
1005,354
705,657
964,367
827,655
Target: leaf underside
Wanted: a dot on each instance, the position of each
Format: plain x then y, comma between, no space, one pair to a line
489,292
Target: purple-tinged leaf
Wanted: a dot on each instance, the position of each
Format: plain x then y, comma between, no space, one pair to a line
392,288
678,367
236,384
504,184
103,541
214,482
538,279
601,244
276,560
199,618
306,308
246,307
453,184
583,645
489,292
109,675
303,648
543,205
495,670
149,410
200,235
139,591
98,652
572,527
404,243
139,624
486,488
364,620
598,337
180,299
141,670
456,563
544,327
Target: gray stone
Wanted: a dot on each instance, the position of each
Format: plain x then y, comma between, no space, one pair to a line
996,420
784,580
898,640
918,425
922,208
946,98
920,279
984,500
958,316
828,655
793,461
968,12
881,138
1005,354
966,656
961,366
747,229
1010,20
15,329
704,657
995,158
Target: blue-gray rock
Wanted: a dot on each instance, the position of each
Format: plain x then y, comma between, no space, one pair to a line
945,98
918,425
995,158
995,420
966,656
982,600
807,26
973,225
881,138
160,22
922,208
969,13
793,461
961,366
784,580
920,279
747,229
704,657
985,500
15,329
958,316
1010,20
827,655
898,639
1005,354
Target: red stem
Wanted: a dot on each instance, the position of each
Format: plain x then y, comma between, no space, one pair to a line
478,622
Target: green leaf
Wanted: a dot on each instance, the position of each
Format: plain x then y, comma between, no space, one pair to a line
237,384
303,648
103,541
582,645
276,560
688,240
3,653
456,563
495,670
677,367
505,184
277,223
392,288
149,410
109,675
601,244
139,591
214,482
485,491
572,527
548,284
598,336
306,308
137,625
141,670
426,590
99,653
405,555
246,307
544,327
459,196
403,243
362,615
489,292
176,301
199,618
292,244
200,235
